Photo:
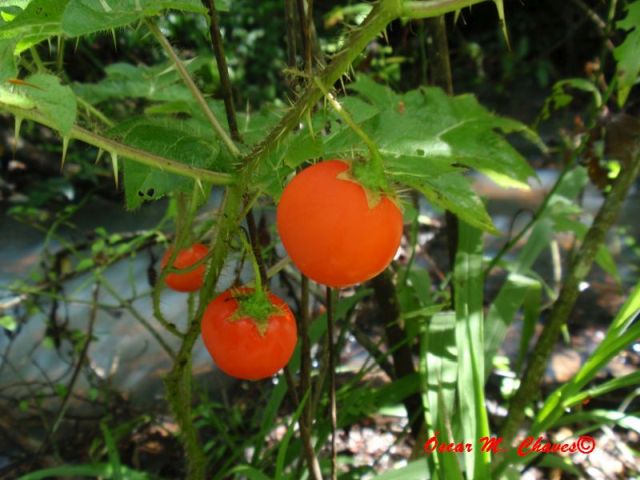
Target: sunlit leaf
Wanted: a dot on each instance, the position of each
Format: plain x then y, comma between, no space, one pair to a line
626,54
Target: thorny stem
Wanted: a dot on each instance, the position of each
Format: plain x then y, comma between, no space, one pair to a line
435,8
122,150
195,91
382,13
376,159
580,267
95,112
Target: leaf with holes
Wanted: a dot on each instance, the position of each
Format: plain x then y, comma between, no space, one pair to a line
143,183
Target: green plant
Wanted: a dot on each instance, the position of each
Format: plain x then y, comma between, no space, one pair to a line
165,138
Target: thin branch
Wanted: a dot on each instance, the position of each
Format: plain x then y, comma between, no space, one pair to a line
332,381
76,372
601,26
304,15
195,91
290,19
126,151
223,71
145,323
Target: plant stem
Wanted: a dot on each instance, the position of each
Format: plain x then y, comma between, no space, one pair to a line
223,71
376,159
305,381
290,18
95,112
178,380
122,150
37,60
594,238
257,248
332,381
382,13
76,371
305,16
427,9
440,70
387,298
195,91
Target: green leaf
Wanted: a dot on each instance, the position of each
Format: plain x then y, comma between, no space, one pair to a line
284,443
512,295
375,93
439,364
82,17
37,22
8,67
158,82
415,470
100,470
453,192
56,102
303,148
468,277
559,98
620,334
145,183
437,130
112,451
9,323
626,420
249,472
630,380
626,54
563,463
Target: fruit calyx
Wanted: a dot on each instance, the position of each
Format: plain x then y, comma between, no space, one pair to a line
254,305
372,180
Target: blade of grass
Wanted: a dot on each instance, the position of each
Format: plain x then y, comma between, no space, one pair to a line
284,444
468,279
439,365
112,451
619,335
